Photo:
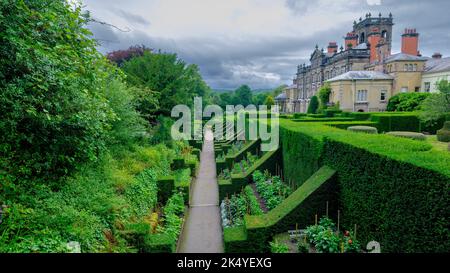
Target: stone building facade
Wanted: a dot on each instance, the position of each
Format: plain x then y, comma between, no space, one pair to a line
370,40
367,48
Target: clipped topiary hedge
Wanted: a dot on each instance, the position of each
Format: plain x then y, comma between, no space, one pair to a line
401,205
166,186
410,135
388,122
299,209
331,112
268,161
363,129
158,243
302,155
323,119
359,116
299,115
345,124
316,115
443,135
396,190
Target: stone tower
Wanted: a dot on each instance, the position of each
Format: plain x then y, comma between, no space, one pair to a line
374,25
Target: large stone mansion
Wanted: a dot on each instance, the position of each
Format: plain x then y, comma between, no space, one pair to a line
364,74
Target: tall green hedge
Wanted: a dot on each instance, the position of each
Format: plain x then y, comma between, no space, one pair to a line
301,153
396,190
299,209
395,122
400,205
237,182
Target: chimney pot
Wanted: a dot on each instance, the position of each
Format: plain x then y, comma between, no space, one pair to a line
437,55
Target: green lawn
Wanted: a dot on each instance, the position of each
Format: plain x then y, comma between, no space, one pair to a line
437,145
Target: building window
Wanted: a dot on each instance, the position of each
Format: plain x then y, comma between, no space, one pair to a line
406,67
383,95
411,68
417,89
361,96
415,67
404,89
427,87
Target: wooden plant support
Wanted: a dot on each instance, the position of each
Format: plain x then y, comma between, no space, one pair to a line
338,219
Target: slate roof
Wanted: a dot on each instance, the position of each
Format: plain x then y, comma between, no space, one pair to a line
282,96
362,75
437,65
404,57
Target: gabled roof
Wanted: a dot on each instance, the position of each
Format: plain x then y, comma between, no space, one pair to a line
437,65
404,57
361,75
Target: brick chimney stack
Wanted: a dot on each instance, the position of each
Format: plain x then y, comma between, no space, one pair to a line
332,47
351,40
410,42
374,39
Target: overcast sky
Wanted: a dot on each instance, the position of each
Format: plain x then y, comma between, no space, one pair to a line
257,42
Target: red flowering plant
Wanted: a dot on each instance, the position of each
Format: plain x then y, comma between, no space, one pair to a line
351,245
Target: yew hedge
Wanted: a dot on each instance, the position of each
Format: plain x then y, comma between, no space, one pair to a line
396,190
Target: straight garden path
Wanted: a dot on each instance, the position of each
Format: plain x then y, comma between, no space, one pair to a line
202,232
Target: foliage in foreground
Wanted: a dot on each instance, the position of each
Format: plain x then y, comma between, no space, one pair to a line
59,104
407,102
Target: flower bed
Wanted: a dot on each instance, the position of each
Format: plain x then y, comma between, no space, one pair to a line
245,164
233,209
271,189
324,238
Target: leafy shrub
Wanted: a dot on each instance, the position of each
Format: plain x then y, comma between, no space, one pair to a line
233,210
172,216
324,96
252,202
363,129
327,242
313,105
271,189
162,131
276,247
142,194
302,247
411,135
406,102
54,113
443,135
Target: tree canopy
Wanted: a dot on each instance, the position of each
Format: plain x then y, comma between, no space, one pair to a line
166,79
406,102
55,110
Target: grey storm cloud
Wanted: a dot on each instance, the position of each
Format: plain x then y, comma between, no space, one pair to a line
266,61
132,17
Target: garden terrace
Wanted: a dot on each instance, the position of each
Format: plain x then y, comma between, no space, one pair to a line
298,209
236,181
387,185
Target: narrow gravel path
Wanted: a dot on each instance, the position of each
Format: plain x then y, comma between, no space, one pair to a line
202,231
